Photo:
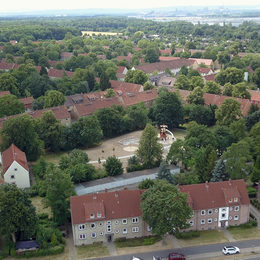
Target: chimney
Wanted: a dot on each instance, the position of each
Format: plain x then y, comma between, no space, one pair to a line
207,184
106,190
116,195
229,182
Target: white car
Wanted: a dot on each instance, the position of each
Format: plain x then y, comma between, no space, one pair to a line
136,258
230,250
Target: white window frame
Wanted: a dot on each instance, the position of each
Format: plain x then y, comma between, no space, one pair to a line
230,200
117,231
210,211
236,199
101,234
109,228
93,225
135,220
109,222
135,229
210,221
82,236
124,221
117,222
92,215
236,217
215,219
191,223
124,230
93,235
236,208
81,226
99,215
202,221
216,210
203,212
230,217
223,215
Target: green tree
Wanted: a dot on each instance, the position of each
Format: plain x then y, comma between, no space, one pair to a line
196,96
146,184
255,176
212,87
223,58
232,75
238,130
159,206
113,166
182,82
223,138
240,90
104,81
21,132
228,112
228,89
136,76
53,98
152,54
149,150
256,77
219,172
110,93
252,119
196,81
148,85
59,188
50,131
167,109
164,172
237,159
17,214
9,82
10,105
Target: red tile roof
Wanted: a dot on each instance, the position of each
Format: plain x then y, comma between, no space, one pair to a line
166,51
125,86
255,96
66,55
53,73
120,69
165,58
207,62
192,51
210,77
2,93
135,98
203,70
60,112
127,58
54,62
13,153
111,205
163,65
89,108
27,101
6,66
216,194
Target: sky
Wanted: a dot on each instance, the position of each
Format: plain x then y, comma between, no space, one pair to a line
29,5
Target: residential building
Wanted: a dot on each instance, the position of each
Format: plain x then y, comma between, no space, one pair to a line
28,103
206,62
121,72
255,97
2,93
217,204
15,168
102,217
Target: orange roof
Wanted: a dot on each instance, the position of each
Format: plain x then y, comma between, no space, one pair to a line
13,153
109,205
255,95
27,101
207,62
216,194
165,58
125,86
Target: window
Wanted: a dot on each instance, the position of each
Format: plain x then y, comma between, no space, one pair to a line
203,212
92,215
124,230
15,169
98,215
109,228
93,235
235,199
12,176
202,221
210,211
236,208
215,219
116,222
82,226
210,220
124,221
223,210
216,210
236,217
82,236
149,229
109,222
135,229
134,220
223,215
93,225
191,223
100,223
116,231
230,218
101,233
230,200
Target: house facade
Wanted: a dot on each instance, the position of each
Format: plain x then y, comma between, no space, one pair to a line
217,204
15,168
103,217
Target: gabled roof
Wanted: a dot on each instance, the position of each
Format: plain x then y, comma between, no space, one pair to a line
207,62
203,70
166,51
255,95
114,205
6,66
53,73
27,101
163,65
60,112
210,77
120,69
216,194
125,86
2,93
13,153
168,58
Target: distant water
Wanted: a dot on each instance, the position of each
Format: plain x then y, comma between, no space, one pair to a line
208,20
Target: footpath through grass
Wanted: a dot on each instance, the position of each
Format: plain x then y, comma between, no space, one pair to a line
94,250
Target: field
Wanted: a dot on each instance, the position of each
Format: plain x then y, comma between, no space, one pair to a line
90,33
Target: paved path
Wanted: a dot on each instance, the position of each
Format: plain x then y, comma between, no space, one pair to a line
71,245
111,248
255,213
228,235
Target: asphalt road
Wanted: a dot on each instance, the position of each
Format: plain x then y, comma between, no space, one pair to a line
190,251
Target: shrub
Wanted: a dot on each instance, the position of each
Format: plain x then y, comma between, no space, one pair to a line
251,192
250,224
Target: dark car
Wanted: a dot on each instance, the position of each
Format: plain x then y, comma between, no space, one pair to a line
176,256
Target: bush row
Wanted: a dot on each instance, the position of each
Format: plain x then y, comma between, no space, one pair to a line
187,235
250,224
255,203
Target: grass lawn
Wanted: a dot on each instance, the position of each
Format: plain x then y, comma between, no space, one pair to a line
206,237
53,157
94,250
242,233
39,206
179,133
140,241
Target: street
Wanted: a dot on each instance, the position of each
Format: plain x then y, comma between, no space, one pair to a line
193,252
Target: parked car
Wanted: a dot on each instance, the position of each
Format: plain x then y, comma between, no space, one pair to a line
230,250
176,256
136,258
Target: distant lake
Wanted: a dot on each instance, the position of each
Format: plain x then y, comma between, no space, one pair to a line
207,20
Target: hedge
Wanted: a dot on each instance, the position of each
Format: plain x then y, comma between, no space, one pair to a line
250,224
255,203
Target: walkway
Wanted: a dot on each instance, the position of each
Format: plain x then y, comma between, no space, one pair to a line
71,246
255,213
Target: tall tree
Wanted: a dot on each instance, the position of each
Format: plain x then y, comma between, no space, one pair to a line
219,172
113,166
17,214
104,81
228,112
9,82
159,206
149,150
164,172
10,105
196,96
152,54
59,188
136,76
53,98
21,132
212,87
